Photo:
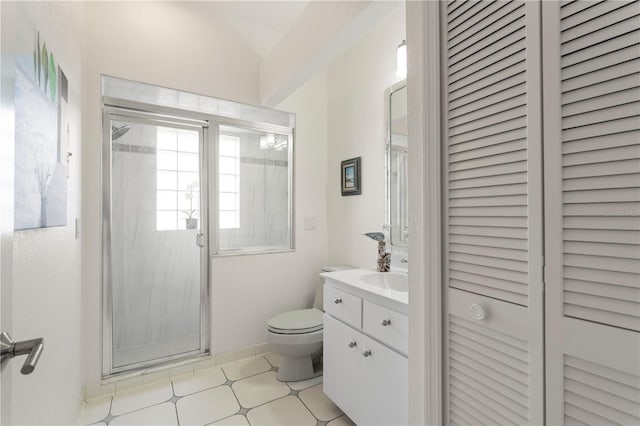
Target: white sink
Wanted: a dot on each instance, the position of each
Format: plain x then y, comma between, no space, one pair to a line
388,289
387,280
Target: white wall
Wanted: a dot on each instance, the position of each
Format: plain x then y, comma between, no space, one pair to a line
248,290
306,46
356,128
7,165
47,262
178,47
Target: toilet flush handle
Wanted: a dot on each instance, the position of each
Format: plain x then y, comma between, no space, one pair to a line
337,301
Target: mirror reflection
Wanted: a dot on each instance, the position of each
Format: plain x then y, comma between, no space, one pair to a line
397,156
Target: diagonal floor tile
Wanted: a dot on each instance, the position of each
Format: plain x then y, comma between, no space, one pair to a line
137,398
205,379
237,420
158,415
341,421
319,403
259,389
207,406
287,411
303,384
243,369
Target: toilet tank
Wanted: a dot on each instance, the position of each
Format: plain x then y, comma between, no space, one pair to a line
317,301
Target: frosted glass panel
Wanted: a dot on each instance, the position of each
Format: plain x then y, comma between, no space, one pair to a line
186,202
228,147
253,190
155,260
167,200
167,160
228,219
167,180
166,220
228,201
167,140
162,96
227,183
188,162
188,142
228,165
187,179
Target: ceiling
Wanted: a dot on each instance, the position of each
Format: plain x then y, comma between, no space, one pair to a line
260,23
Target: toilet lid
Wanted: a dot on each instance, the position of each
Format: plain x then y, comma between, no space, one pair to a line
296,322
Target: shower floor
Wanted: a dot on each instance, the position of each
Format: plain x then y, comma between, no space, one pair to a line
242,393
146,352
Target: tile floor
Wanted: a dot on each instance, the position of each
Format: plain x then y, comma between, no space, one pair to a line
242,393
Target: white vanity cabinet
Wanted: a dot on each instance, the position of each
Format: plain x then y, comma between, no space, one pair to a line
365,361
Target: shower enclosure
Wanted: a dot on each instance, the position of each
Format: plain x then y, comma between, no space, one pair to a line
185,177
157,236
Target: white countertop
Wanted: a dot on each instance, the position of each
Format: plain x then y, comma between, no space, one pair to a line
351,281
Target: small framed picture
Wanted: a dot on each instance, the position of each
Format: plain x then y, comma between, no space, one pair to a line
350,171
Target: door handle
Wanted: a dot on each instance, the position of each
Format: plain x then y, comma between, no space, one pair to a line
478,312
32,348
200,240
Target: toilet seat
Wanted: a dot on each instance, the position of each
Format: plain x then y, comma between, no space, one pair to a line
302,321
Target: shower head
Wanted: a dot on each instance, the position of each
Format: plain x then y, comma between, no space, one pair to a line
118,132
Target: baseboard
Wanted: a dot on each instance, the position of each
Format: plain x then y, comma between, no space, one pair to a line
79,404
147,376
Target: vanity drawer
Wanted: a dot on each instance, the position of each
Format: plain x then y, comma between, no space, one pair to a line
389,327
343,306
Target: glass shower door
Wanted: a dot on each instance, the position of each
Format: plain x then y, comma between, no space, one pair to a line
156,259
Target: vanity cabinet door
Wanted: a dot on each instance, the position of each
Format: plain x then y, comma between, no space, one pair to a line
368,381
384,384
342,358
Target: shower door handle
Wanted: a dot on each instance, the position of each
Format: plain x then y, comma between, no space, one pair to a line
200,240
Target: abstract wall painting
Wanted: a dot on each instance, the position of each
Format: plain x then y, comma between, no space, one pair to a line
40,153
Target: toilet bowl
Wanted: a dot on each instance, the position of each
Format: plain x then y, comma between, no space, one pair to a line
297,337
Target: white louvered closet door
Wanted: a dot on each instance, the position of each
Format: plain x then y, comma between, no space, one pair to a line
592,211
493,213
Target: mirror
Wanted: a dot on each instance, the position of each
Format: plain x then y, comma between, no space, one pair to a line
396,159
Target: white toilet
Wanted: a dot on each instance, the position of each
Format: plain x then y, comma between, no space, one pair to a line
297,337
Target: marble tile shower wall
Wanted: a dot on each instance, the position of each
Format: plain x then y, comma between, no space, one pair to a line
150,267
263,198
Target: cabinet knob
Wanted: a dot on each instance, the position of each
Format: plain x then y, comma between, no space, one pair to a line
353,344
366,353
386,322
478,312
337,301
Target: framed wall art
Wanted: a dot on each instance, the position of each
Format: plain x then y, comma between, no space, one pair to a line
351,183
